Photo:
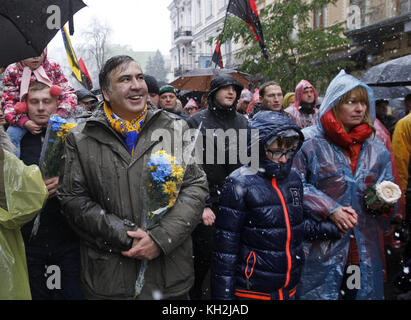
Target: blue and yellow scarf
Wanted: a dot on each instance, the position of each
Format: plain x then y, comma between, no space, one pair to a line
129,130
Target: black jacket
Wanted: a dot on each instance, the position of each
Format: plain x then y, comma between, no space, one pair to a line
54,231
214,118
261,226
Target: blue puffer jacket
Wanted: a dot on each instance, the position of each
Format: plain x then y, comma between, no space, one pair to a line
261,225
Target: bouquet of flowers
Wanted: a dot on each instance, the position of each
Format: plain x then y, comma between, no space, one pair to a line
53,147
382,197
166,176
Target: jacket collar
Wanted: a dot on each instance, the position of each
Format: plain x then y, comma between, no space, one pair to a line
111,138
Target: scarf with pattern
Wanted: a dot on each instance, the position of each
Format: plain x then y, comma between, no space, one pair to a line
129,130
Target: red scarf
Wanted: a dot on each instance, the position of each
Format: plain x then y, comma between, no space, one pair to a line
350,142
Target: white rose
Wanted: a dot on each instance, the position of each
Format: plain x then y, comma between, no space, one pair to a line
388,192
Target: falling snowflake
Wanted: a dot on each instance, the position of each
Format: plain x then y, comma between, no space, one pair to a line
157,295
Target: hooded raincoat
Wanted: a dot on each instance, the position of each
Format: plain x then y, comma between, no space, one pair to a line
301,118
22,194
329,183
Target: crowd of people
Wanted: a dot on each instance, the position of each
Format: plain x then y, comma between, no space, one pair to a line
295,227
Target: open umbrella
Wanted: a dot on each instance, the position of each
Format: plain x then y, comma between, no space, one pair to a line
391,92
200,79
26,27
396,72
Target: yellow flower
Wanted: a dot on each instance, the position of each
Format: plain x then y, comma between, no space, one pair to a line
172,200
170,187
177,171
67,126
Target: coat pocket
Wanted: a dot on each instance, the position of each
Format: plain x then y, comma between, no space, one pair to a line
249,268
178,267
104,273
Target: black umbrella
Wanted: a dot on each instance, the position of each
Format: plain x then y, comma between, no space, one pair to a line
26,27
391,92
186,95
396,72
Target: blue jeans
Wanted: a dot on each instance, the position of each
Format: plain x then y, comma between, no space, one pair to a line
16,134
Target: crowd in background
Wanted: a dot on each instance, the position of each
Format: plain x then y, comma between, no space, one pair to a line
294,229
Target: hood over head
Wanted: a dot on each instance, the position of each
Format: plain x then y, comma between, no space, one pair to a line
271,125
299,89
338,87
221,81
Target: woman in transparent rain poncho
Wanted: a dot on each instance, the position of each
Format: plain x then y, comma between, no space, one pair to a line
338,161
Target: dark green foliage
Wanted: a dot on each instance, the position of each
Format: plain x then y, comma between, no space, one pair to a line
293,55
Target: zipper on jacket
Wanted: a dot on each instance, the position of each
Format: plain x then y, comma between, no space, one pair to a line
287,246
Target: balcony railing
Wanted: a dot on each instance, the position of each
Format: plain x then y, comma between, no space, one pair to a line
183,32
182,69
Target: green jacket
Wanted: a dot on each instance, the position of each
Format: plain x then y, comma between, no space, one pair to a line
22,194
103,195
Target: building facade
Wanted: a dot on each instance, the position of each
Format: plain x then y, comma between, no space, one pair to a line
193,23
379,30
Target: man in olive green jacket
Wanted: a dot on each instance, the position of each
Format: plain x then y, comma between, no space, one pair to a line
103,194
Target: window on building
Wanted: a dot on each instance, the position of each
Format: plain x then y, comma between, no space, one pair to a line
209,8
198,17
319,18
403,6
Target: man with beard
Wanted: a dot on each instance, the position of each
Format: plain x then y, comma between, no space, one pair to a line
220,115
304,112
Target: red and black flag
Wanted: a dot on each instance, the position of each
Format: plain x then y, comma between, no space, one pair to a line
217,58
247,11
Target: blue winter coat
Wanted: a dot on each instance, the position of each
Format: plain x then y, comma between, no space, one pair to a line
261,226
328,184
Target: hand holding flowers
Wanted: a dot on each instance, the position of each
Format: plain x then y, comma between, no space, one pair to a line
382,197
53,147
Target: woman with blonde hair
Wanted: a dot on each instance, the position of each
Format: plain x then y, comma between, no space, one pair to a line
340,158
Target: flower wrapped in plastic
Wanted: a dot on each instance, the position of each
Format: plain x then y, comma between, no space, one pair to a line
51,155
166,175
382,197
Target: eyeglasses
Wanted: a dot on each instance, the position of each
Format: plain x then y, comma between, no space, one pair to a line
277,153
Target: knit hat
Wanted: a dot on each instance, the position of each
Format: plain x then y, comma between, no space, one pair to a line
85,95
168,88
152,84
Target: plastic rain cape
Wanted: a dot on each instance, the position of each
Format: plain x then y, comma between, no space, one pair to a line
23,196
329,183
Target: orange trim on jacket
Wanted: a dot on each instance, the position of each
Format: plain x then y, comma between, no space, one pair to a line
252,268
263,295
287,246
